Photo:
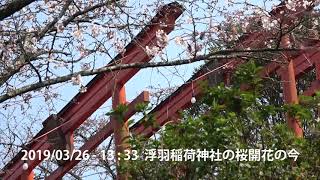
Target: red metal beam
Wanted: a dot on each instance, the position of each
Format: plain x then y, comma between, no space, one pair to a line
317,66
120,126
303,62
291,97
121,131
180,99
168,110
290,93
100,88
315,85
28,175
98,138
181,103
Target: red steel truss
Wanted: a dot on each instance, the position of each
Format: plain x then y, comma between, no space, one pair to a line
101,89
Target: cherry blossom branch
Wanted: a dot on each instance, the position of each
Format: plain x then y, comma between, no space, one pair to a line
21,61
86,10
219,55
24,60
55,20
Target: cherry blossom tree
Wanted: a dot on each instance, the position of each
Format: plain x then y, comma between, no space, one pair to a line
46,45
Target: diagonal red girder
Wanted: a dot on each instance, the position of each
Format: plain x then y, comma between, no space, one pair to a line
99,137
100,88
180,99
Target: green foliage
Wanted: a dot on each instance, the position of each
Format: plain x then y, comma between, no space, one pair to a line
118,112
148,119
142,107
248,74
234,119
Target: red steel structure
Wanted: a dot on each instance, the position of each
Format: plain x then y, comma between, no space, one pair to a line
295,67
99,137
105,85
180,99
99,90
